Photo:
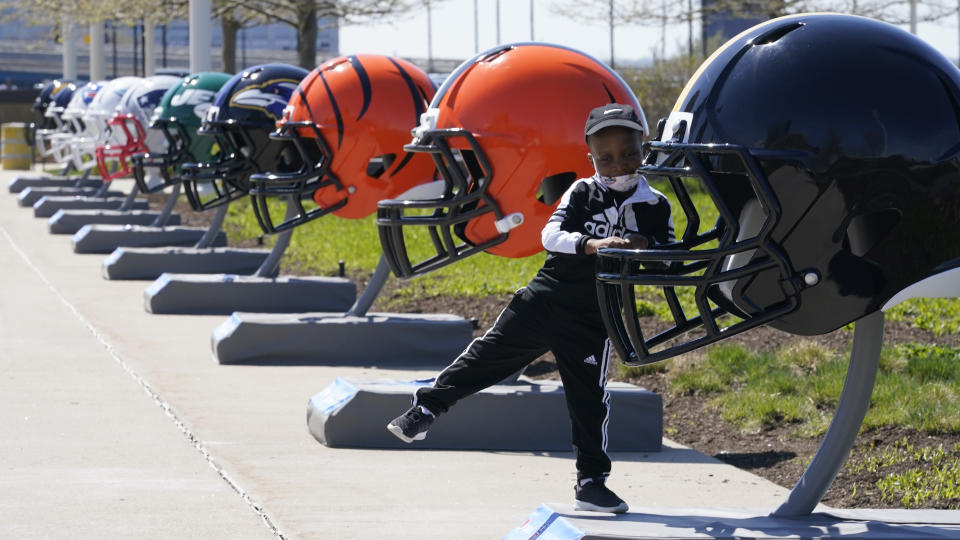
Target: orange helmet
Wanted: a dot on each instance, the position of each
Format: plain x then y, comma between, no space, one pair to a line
349,119
506,132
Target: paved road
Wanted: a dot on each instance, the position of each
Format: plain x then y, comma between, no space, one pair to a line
118,423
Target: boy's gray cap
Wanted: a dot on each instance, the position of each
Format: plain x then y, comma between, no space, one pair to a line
612,114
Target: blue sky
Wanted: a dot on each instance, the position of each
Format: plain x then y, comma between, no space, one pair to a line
453,32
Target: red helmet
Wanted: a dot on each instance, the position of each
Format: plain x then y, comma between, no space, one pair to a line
349,119
127,126
506,133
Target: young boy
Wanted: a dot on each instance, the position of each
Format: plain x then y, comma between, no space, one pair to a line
558,310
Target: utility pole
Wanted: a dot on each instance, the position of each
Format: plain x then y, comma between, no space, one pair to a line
498,22
163,44
201,36
149,47
531,21
96,51
429,38
113,40
136,55
476,29
67,49
913,17
611,34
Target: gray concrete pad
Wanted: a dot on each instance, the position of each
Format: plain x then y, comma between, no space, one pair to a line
20,183
70,221
31,195
153,262
120,423
48,205
398,340
106,238
222,294
352,413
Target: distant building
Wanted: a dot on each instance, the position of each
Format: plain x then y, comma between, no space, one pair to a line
274,36
29,55
723,23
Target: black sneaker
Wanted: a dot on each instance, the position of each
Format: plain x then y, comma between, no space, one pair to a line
593,495
411,425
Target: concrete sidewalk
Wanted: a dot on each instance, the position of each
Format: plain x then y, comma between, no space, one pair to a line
119,423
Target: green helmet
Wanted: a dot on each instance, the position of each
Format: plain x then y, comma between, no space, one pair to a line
178,116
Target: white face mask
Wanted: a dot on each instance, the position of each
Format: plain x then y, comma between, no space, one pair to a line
623,182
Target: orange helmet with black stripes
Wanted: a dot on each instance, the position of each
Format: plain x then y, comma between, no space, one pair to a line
349,119
506,133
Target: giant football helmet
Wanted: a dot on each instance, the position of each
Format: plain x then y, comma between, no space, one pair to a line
96,130
349,120
63,144
506,133
830,145
244,113
177,119
46,96
128,133
53,122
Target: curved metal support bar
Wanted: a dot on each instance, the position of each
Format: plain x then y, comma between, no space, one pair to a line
271,264
80,179
131,198
208,237
167,208
372,290
854,401
102,190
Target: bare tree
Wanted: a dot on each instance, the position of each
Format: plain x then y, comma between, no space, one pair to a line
303,14
646,13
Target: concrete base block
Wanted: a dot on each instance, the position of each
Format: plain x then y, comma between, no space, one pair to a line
21,183
100,238
48,206
71,221
30,196
562,522
152,262
528,415
337,339
222,294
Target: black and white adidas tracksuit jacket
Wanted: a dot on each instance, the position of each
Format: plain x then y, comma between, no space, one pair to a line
588,210
558,312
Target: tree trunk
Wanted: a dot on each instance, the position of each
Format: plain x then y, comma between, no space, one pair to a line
306,34
228,51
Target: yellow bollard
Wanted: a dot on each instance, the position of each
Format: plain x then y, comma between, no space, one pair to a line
16,153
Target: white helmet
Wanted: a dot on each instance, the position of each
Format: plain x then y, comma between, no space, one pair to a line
95,119
128,133
63,145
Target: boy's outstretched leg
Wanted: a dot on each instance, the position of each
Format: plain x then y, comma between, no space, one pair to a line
411,425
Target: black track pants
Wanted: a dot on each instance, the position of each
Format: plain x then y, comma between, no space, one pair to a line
527,328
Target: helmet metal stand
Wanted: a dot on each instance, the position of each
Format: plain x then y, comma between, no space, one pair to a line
851,409
262,291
